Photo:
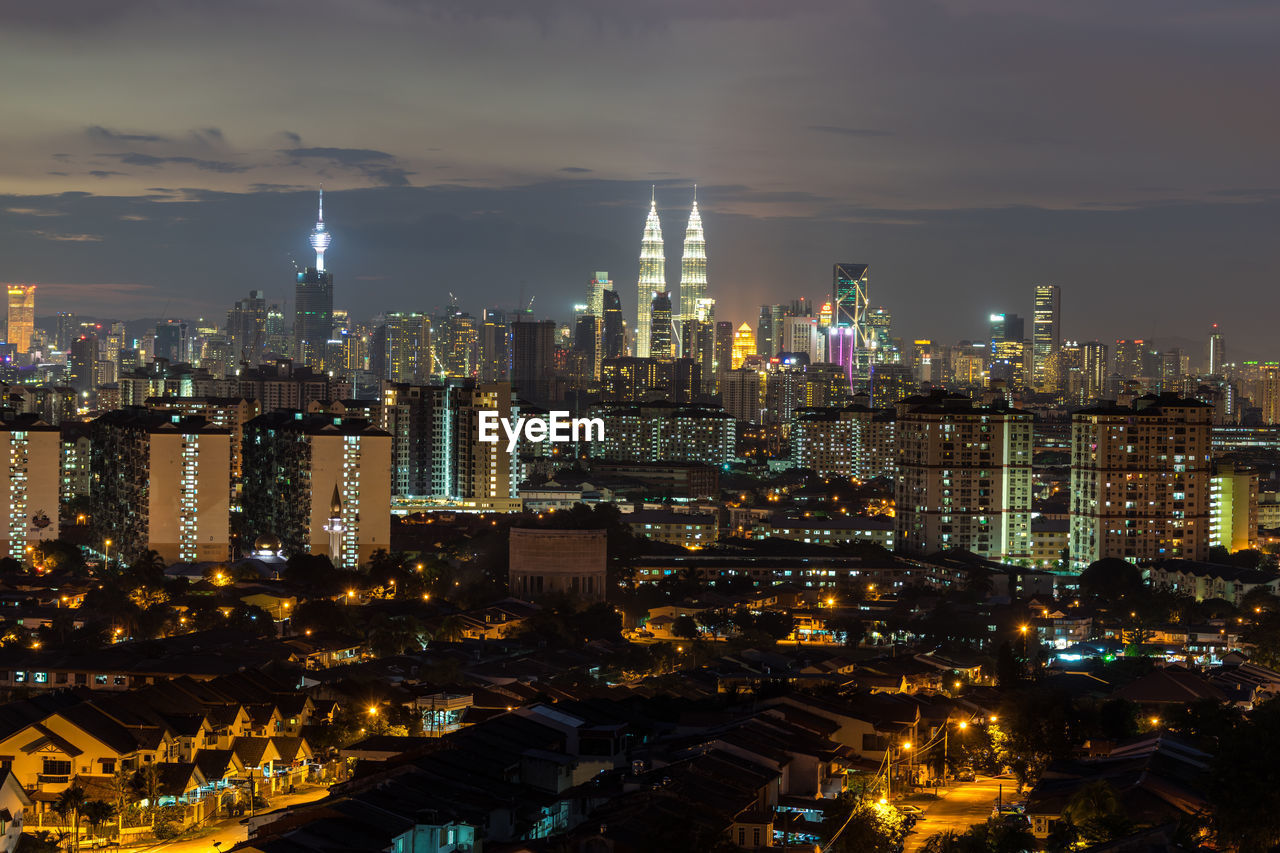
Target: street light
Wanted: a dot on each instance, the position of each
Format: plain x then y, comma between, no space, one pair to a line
106,553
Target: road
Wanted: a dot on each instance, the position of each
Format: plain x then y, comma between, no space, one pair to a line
957,808
225,834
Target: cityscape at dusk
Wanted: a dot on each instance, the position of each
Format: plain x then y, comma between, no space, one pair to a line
651,427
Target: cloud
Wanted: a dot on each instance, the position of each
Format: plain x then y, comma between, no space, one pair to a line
378,166
863,132
295,138
576,170
104,173
98,133
134,158
66,238
276,188
33,211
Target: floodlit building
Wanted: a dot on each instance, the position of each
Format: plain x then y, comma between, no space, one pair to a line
29,495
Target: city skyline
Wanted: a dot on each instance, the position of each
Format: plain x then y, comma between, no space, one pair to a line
961,175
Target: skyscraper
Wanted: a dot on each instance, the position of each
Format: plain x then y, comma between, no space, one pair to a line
693,265
1046,332
247,328
532,351
653,275
744,344
660,326
313,300
1217,351
1005,328
407,348
22,315
850,344
495,346
613,332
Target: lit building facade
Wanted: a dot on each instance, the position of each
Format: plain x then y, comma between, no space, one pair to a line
1140,480
653,276
848,441
693,268
30,494
964,478
292,463
22,316
1233,507
666,432
1046,334
161,482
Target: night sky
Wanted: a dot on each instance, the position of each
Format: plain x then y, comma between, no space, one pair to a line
160,156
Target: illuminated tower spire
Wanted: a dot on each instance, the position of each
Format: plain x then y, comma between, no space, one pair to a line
653,274
693,266
320,238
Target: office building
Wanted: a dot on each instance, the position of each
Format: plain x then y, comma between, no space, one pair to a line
660,326
532,364
693,268
160,482
172,342
653,276
613,330
744,344
457,349
1046,334
742,393
964,478
849,339
1217,352
293,462
1140,480
495,346
404,341
769,330
247,328
22,316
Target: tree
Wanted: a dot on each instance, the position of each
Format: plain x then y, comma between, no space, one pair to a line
1096,813
146,786
1111,579
450,630
69,803
98,812
1246,804
867,827
684,626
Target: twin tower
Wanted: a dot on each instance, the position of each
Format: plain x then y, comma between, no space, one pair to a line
694,304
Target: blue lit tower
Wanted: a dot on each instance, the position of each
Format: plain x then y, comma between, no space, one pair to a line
313,300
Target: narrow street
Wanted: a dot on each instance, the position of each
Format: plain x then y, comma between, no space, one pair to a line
226,833
957,808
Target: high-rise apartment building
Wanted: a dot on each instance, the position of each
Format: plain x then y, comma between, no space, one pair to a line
964,478
22,316
292,464
30,493
742,393
665,432
845,441
653,276
456,351
1093,356
161,482
1140,480
1233,507
1046,333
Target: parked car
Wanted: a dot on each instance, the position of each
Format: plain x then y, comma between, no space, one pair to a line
966,775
